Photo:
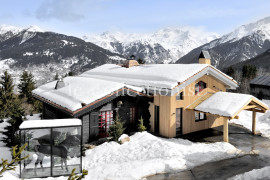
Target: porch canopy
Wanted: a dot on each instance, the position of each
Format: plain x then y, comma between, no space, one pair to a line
229,105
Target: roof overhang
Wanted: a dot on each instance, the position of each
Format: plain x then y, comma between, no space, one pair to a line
209,70
88,107
249,103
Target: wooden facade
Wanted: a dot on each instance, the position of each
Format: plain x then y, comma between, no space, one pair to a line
168,105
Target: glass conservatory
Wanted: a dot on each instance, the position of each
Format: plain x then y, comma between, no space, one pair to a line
54,147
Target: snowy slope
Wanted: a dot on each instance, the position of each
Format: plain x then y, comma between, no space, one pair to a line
242,44
163,46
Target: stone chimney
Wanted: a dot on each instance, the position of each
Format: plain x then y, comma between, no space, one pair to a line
130,62
204,58
60,83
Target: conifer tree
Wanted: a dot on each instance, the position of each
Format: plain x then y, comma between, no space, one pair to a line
117,129
56,77
26,86
16,118
6,94
141,127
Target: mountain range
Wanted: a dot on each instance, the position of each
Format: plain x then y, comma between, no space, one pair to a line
46,53
245,42
163,46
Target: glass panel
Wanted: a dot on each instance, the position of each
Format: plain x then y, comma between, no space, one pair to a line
39,149
178,116
66,150
202,116
197,116
197,88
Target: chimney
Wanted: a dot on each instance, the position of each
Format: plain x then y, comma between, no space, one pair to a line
60,83
204,58
130,62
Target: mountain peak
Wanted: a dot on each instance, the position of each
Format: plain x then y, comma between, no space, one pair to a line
34,28
8,28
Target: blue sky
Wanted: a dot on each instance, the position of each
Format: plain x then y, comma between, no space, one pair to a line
79,17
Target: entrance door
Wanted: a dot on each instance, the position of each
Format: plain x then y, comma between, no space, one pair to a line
156,119
179,116
94,124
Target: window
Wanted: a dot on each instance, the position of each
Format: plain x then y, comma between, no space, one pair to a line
199,86
133,115
200,116
105,121
179,96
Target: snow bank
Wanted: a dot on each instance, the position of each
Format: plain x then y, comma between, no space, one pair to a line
263,173
225,103
146,154
262,121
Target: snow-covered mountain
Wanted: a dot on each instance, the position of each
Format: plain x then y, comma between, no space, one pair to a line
242,44
47,53
164,46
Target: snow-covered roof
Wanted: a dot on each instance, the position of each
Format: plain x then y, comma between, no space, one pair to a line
78,91
50,123
226,104
152,75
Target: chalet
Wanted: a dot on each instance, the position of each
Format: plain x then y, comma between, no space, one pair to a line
173,99
260,87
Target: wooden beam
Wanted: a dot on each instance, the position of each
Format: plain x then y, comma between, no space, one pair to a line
250,107
236,117
225,130
254,122
256,110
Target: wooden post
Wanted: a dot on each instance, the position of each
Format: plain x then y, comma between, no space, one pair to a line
225,130
253,122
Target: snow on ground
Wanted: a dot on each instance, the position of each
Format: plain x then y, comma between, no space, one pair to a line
262,121
5,153
263,173
146,154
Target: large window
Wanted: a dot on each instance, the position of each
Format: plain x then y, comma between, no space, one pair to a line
200,116
199,86
179,96
105,121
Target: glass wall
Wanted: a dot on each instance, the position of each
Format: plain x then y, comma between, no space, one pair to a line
52,151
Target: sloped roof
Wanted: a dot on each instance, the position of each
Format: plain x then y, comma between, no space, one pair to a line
205,54
79,91
228,104
261,80
153,75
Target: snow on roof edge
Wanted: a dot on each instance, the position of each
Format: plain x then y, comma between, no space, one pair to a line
31,124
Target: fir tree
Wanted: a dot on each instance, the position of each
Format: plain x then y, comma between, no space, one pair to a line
249,71
16,118
6,94
117,129
141,61
231,72
26,86
141,127
56,77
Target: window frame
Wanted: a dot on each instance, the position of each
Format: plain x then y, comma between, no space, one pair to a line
200,119
180,95
200,85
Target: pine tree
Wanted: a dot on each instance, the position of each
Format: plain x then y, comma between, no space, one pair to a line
16,118
141,61
117,129
249,71
6,94
56,77
141,127
26,86
231,72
